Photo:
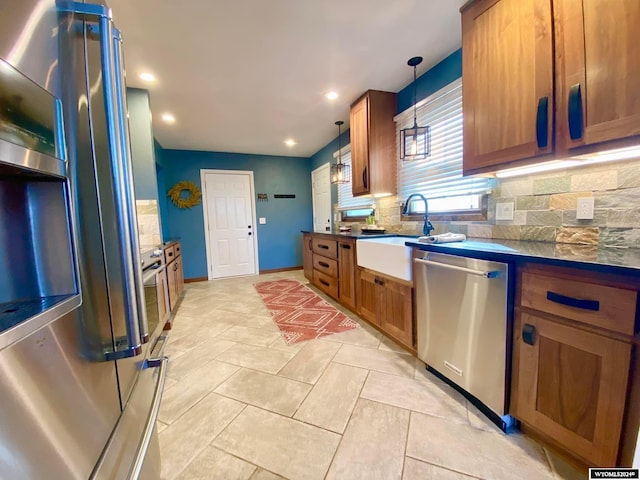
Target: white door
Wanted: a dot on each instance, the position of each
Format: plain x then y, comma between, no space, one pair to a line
229,223
321,191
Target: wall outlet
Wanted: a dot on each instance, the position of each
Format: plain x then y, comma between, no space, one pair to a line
262,220
504,211
584,208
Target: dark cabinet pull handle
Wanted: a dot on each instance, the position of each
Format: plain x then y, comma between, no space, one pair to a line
542,122
249,233
170,254
593,305
575,112
325,247
323,264
326,284
377,281
309,244
528,334
345,245
365,179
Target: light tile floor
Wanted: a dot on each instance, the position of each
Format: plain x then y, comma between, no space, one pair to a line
239,403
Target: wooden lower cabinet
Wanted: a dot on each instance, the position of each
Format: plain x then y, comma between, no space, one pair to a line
347,273
387,303
175,278
367,292
395,310
570,374
161,289
571,385
307,256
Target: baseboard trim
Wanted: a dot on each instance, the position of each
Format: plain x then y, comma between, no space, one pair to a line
276,270
195,279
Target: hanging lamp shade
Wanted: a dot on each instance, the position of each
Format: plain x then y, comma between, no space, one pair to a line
340,172
415,142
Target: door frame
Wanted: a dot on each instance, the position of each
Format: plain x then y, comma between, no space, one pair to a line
205,209
326,166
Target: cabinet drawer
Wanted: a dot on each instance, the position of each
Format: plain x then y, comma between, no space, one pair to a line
327,248
325,265
597,305
169,253
327,284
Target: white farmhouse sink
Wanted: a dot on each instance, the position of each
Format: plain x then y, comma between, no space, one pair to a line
387,255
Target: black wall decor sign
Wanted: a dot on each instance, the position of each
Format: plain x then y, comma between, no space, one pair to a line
280,195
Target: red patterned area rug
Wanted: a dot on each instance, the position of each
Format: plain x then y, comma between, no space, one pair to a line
300,313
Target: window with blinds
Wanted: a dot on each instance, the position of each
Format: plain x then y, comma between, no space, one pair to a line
439,177
346,201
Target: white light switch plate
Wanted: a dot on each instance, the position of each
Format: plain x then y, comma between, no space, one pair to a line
504,211
584,208
262,220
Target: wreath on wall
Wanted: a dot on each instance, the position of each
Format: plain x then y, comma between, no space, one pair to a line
193,199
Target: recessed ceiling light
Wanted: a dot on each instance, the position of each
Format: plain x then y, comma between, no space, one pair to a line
289,142
168,118
147,77
331,95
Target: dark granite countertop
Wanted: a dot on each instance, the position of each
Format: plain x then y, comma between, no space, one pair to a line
591,257
357,235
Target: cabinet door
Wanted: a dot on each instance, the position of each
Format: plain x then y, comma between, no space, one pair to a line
172,284
571,385
347,274
507,82
359,133
395,310
367,296
161,295
599,70
307,257
179,276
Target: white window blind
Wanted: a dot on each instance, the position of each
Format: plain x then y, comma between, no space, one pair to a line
439,175
346,200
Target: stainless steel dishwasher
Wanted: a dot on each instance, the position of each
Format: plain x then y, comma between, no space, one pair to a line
462,311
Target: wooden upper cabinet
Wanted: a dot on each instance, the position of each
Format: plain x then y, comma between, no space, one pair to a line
359,147
373,143
507,82
598,71
512,53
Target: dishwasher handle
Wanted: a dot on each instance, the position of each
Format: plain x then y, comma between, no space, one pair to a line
470,271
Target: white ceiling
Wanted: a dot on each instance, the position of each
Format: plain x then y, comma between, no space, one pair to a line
244,75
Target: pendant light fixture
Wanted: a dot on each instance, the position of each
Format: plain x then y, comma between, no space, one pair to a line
415,142
340,172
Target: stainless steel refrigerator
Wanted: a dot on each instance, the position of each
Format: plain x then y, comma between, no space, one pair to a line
80,373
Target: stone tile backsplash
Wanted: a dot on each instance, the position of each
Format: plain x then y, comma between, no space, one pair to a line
545,208
148,223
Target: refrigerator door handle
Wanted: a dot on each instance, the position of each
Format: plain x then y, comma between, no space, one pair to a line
120,192
162,363
125,145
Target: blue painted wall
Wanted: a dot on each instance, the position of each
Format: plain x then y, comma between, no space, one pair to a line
429,82
142,144
432,80
162,190
279,241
